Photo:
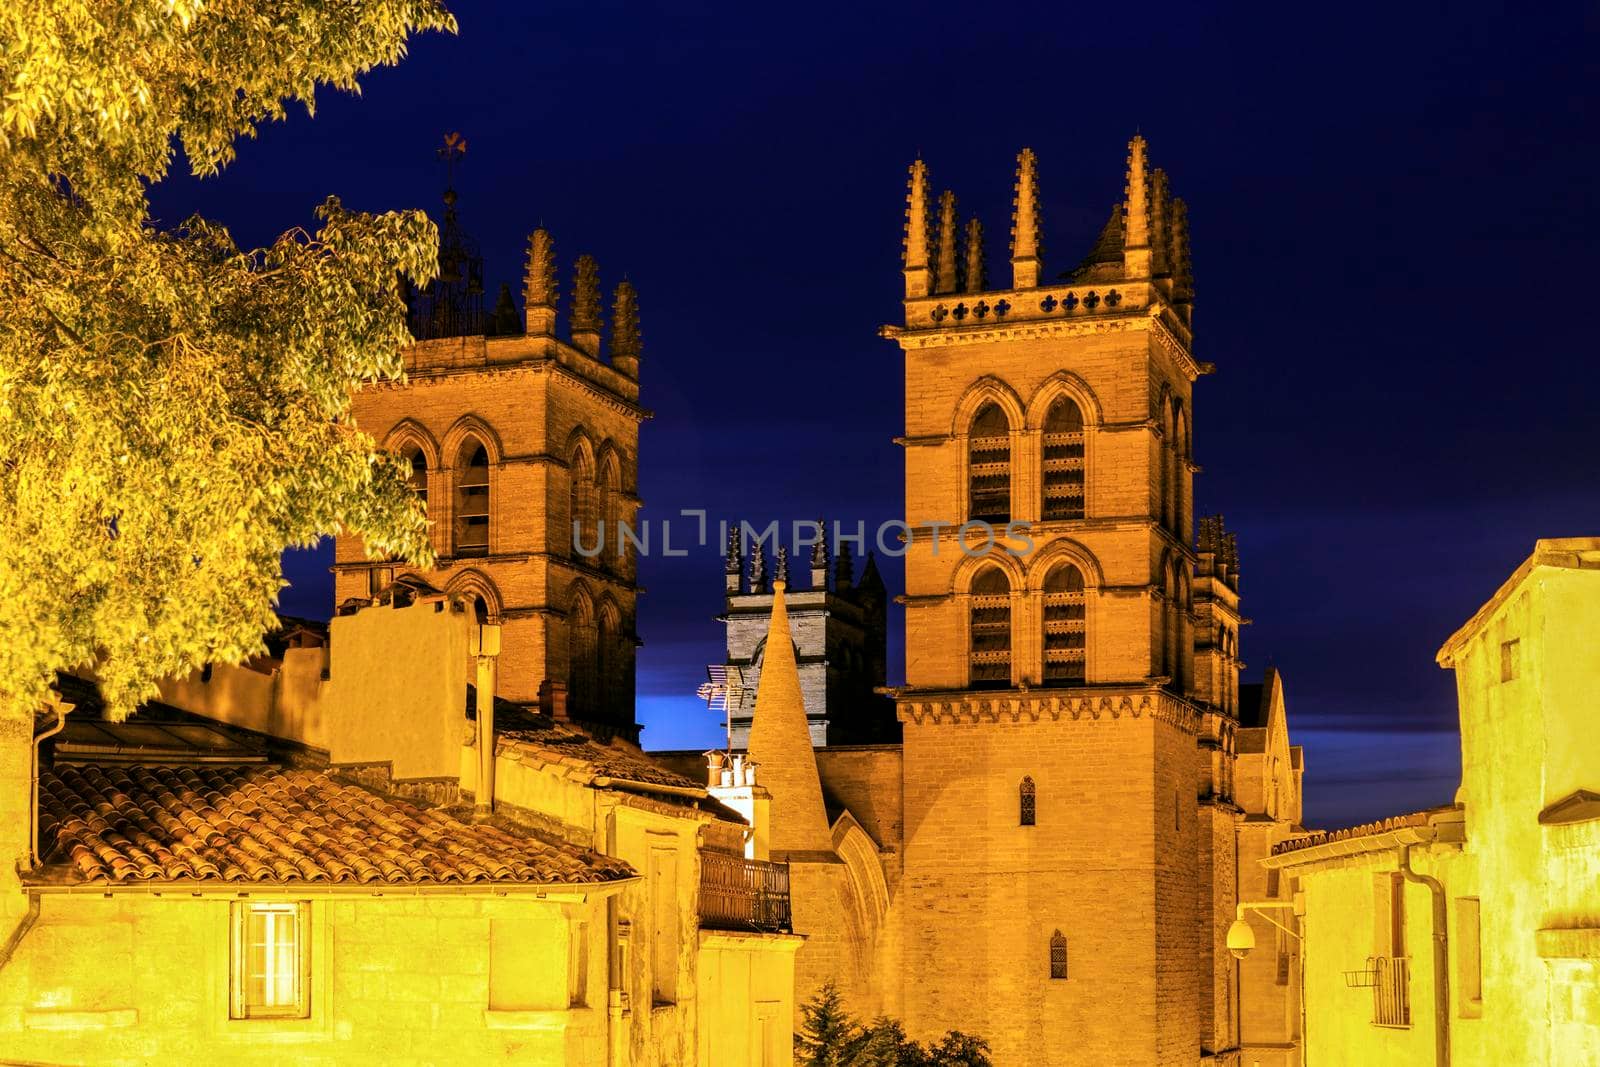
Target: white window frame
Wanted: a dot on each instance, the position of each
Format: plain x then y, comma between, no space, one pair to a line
297,915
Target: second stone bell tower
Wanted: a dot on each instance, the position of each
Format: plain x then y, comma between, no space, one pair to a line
1049,713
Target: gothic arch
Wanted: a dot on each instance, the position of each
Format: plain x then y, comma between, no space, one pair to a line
987,390
1063,550
470,425
968,568
579,443
471,584
409,433
1063,383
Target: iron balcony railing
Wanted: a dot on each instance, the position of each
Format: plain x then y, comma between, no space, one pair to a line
741,894
1391,990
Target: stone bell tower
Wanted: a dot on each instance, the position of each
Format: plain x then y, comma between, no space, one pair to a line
524,445
1049,713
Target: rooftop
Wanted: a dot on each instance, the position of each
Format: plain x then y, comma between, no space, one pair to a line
274,825
1369,829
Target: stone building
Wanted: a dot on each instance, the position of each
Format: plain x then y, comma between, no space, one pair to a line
524,445
1051,856
840,628
1469,934
298,857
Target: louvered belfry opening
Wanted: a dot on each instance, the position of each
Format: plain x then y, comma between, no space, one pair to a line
990,637
1065,626
989,466
1063,451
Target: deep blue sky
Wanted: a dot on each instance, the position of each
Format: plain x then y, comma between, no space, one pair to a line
1393,234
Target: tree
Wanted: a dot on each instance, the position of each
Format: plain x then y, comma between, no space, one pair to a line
173,409
830,1037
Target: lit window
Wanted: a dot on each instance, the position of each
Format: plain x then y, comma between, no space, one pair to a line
989,655
989,466
1025,802
1058,955
270,961
1066,630
1063,461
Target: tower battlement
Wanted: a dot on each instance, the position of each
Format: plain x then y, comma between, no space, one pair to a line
1139,268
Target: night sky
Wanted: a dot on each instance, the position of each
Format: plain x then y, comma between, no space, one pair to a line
1392,228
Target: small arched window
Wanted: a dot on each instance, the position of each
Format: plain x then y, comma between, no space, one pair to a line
472,500
1058,955
1180,470
1066,626
1063,450
989,658
418,479
1026,814
989,466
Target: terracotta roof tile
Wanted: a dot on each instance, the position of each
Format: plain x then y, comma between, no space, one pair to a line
269,824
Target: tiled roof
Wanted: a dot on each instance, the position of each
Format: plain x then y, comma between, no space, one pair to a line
273,825
561,742
1369,829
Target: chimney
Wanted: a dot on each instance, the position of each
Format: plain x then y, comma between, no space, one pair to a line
553,699
483,645
733,782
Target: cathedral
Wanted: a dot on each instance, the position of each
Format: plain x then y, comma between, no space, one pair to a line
1052,852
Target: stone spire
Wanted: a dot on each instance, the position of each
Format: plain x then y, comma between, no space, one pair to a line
1230,554
975,274
586,306
1182,268
819,558
1210,538
844,570
780,741
919,278
625,341
733,562
780,566
948,277
1160,224
1136,213
1025,245
758,568
539,284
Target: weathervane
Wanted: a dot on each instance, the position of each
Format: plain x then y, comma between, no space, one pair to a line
450,153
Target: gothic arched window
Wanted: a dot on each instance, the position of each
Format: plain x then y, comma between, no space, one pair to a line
1063,452
1058,955
989,466
609,510
1026,813
1066,626
583,655
472,500
418,479
583,505
989,656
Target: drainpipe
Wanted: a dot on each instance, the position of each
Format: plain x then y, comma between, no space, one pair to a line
33,788
1441,958
28,919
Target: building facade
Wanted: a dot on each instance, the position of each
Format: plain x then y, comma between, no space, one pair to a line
524,447
1484,914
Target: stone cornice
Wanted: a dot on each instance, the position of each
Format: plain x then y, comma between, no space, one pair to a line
1018,706
537,365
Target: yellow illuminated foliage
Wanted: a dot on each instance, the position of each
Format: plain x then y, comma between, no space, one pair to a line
172,408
